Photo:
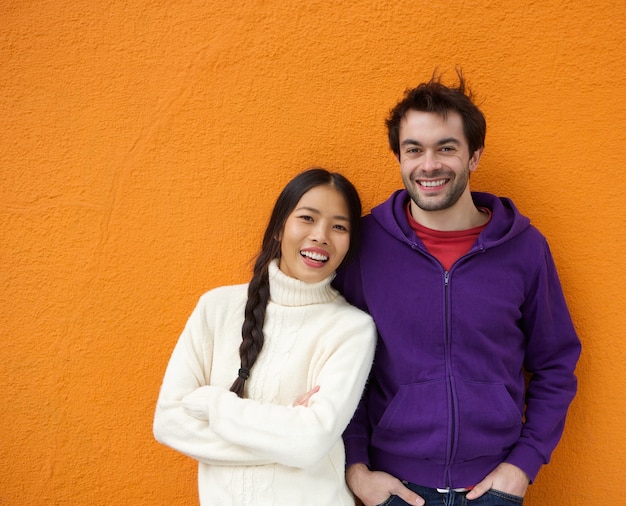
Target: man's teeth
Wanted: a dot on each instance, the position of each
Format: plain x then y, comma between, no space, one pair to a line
431,184
314,256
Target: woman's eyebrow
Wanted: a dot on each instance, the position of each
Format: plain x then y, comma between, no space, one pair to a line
317,211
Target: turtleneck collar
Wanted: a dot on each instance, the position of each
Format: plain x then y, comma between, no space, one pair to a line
288,291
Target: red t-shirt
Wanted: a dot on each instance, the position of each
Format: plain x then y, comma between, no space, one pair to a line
446,246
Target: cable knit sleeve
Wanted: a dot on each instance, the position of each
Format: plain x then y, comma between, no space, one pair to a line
299,436
188,369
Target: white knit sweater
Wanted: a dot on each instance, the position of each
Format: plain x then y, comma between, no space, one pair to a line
261,450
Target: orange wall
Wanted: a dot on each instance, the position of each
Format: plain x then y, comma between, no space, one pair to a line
143,144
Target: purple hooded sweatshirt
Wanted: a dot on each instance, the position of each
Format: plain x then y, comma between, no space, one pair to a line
474,366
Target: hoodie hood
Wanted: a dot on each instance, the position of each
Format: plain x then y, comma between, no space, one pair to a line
505,224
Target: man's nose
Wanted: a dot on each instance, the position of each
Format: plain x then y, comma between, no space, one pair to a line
430,161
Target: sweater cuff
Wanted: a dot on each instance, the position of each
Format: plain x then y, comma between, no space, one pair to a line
196,403
527,459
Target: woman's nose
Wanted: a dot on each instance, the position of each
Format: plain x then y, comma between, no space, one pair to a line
320,234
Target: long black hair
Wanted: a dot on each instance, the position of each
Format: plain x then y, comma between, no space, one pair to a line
259,287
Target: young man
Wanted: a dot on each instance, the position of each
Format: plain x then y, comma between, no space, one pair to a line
474,368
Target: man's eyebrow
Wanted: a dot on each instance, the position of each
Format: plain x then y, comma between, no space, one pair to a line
410,142
447,140
317,211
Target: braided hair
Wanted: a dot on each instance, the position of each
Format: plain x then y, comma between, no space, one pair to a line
259,286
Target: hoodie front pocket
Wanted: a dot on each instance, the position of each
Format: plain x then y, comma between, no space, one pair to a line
416,421
489,421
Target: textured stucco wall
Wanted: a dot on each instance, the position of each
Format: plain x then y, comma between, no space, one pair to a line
144,142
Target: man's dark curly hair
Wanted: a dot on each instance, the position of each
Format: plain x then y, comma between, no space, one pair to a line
435,97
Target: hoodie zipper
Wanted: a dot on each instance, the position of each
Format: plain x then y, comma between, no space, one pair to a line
450,379
452,397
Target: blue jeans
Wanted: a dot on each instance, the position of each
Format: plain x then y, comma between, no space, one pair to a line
434,498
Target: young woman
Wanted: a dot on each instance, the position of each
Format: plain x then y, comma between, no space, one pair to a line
266,376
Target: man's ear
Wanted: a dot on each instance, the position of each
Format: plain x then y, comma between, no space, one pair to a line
475,158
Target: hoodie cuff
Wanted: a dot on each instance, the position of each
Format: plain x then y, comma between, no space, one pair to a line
356,451
527,459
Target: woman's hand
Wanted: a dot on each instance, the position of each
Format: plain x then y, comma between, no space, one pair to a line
303,400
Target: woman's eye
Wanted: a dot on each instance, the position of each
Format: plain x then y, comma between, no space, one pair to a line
341,227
